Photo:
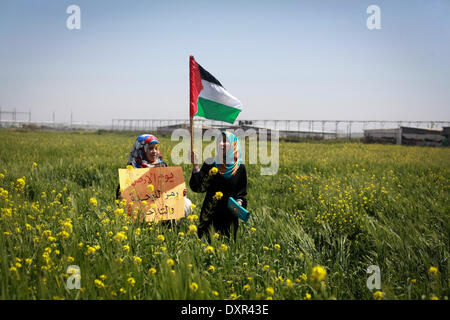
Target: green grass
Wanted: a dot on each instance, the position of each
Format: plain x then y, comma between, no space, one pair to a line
343,206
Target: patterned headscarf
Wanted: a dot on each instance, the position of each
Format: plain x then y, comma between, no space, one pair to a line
137,157
232,158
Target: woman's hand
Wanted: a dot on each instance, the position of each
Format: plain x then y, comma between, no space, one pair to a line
194,159
239,202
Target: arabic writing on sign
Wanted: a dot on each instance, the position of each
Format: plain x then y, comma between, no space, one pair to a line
163,201
151,179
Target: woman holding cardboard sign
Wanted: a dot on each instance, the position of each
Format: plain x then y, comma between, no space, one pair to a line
222,177
146,153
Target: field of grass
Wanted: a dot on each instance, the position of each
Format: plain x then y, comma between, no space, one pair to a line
331,211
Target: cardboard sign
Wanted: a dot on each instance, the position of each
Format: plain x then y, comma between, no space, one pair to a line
153,194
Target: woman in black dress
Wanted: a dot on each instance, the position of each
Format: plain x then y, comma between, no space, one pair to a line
222,177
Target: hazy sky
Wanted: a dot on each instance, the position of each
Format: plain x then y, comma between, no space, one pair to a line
282,59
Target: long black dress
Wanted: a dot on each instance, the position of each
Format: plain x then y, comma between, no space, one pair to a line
215,212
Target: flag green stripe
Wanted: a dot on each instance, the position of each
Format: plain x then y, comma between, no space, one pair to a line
212,110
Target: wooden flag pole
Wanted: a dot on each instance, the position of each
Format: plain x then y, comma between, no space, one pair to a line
191,116
192,138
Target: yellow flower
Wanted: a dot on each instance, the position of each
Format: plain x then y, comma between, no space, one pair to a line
252,229
318,273
126,248
181,234
63,234
123,291
99,284
103,277
413,280
289,283
35,164
307,296
47,233
160,238
277,247
90,250
21,183
433,271
28,261
213,171
193,286
131,281
170,262
152,270
233,296
118,211
216,235
192,217
218,195
304,276
224,247
209,249
129,167
266,267
93,202
211,268
150,188
192,228
434,298
378,295
270,291
120,236
137,259
266,248
246,287
215,293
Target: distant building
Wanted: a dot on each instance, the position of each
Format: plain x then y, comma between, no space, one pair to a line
406,136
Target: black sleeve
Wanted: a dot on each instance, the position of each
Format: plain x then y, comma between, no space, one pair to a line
242,187
197,179
118,192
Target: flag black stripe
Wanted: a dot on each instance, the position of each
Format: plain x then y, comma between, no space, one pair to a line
208,76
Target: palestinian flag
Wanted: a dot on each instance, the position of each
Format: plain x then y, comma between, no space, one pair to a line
208,98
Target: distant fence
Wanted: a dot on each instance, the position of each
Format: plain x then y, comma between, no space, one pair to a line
322,129
20,119
327,129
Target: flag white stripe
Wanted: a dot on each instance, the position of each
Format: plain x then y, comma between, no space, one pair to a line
218,94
